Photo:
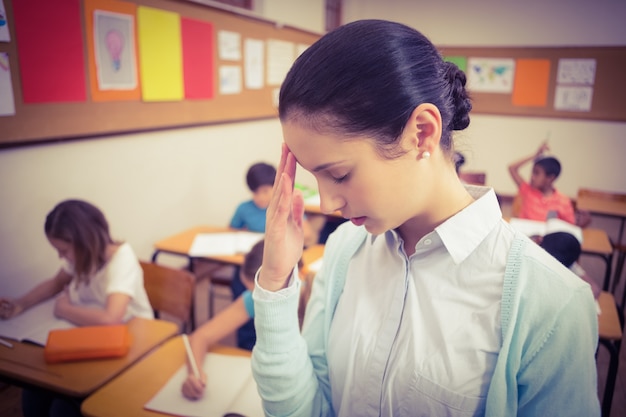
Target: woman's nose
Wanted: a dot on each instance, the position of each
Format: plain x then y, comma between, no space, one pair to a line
330,203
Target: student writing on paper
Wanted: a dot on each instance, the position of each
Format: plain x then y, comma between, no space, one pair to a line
427,303
101,282
231,318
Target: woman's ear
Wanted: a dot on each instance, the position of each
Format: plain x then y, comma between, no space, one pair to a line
424,128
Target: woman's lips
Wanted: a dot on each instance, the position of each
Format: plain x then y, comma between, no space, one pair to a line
358,221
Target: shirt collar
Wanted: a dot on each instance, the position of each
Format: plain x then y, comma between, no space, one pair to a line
464,231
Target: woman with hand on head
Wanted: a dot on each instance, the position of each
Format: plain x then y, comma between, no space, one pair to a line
427,302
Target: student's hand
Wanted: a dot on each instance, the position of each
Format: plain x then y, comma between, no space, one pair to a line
544,147
193,388
284,235
9,308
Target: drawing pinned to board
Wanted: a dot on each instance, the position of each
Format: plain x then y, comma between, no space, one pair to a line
254,63
114,36
229,45
576,71
5,36
490,75
575,79
230,79
280,57
573,98
7,102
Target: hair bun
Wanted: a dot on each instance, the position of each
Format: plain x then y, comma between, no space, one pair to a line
460,97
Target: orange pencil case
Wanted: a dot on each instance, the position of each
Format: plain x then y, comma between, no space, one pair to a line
88,342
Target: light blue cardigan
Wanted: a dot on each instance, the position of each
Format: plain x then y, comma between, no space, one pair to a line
546,366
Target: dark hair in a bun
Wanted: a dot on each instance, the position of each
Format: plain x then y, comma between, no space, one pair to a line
367,77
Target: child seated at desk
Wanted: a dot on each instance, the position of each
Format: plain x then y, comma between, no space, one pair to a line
100,283
233,317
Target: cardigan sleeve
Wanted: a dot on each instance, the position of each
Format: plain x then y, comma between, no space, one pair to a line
560,377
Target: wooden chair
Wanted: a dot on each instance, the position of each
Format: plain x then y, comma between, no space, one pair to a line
474,178
171,292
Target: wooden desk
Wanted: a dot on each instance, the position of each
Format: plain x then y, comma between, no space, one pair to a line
604,204
597,243
24,364
180,243
127,394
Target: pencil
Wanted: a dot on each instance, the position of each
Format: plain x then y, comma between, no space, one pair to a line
190,357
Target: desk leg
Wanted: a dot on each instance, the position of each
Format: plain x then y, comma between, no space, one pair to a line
608,260
613,347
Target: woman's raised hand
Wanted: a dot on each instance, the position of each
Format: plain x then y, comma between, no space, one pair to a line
284,235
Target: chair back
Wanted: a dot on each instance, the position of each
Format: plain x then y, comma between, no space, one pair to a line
171,292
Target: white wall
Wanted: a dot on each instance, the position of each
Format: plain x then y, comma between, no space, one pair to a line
151,185
592,152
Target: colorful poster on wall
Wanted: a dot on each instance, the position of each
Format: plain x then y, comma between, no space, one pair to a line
530,87
49,38
5,36
112,50
160,54
7,101
198,68
490,75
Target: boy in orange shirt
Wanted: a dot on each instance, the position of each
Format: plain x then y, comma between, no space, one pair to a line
539,199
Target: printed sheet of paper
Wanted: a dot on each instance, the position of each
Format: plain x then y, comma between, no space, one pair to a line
7,100
207,244
280,57
254,62
230,389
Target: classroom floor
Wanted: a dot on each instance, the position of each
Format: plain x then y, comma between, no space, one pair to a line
10,396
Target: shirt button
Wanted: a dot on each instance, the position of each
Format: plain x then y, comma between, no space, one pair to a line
428,242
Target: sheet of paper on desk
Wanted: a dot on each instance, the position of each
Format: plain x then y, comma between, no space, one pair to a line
207,244
230,389
34,324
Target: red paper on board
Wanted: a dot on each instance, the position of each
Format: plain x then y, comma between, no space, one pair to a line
49,41
197,39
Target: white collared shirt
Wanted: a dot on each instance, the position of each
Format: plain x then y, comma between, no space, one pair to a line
420,336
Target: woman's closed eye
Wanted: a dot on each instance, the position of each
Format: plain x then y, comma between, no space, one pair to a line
340,179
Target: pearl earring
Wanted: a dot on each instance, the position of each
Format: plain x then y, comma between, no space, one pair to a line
425,155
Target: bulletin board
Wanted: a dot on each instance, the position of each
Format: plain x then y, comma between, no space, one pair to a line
556,82
228,66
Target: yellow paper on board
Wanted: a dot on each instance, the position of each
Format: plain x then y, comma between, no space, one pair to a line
160,54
